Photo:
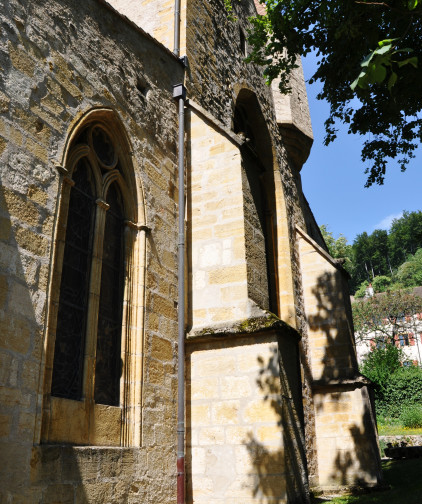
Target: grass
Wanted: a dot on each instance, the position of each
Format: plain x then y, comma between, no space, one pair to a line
405,482
388,426
398,430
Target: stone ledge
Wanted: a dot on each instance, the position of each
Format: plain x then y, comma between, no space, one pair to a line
337,263
215,123
253,325
357,381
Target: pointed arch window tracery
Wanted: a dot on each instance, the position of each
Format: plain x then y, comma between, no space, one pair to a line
91,344
95,174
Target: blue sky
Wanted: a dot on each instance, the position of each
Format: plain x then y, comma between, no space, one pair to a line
333,178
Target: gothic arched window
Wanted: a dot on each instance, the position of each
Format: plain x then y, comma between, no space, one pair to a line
90,371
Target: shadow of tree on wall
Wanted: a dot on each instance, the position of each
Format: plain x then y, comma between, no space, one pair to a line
335,379
366,460
280,475
329,317
355,459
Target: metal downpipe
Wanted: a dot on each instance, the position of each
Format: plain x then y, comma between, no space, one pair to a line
181,314
176,49
179,93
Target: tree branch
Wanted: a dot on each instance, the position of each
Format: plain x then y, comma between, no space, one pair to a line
382,4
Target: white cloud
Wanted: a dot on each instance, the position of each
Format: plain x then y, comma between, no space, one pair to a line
386,222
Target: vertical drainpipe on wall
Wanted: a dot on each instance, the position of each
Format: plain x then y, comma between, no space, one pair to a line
176,50
179,94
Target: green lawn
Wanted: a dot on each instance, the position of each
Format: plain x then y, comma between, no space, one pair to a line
404,478
398,430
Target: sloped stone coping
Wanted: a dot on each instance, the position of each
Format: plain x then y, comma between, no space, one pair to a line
399,447
355,381
251,325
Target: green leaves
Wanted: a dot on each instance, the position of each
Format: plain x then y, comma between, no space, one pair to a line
392,80
229,8
409,61
386,81
381,363
380,62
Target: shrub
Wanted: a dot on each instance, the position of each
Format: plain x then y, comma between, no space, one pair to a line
380,364
411,416
380,283
402,391
361,291
404,386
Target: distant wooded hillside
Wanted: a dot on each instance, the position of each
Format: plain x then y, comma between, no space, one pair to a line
387,259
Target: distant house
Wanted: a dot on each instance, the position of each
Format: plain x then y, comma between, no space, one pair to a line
405,331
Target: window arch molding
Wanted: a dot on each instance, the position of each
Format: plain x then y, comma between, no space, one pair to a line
118,422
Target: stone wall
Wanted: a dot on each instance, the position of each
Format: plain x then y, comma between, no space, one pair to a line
217,263
156,18
72,474
60,60
330,329
244,442
344,427
347,447
257,250
292,109
217,75
217,70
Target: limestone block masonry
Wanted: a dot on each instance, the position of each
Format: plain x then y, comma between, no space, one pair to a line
231,421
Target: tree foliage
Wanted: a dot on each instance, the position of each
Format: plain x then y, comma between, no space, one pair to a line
381,363
409,274
362,289
381,283
405,236
366,50
373,257
401,390
381,317
338,247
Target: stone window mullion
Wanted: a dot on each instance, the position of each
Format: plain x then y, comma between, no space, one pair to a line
93,300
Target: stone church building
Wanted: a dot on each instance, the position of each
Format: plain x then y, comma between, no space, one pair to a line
91,150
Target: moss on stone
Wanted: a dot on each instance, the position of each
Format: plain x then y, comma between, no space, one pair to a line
247,326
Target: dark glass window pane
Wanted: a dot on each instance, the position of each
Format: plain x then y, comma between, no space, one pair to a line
103,146
74,288
108,361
